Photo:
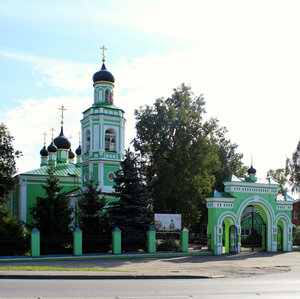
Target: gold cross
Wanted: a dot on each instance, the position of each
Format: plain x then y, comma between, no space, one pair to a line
62,108
103,49
45,134
52,131
70,138
79,134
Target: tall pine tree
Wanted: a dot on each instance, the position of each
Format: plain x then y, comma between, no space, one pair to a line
52,214
132,212
91,216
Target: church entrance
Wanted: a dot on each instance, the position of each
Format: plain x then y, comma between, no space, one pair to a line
253,230
233,239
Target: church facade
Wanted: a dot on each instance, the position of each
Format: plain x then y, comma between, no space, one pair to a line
98,156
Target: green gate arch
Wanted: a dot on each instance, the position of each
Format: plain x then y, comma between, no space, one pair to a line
227,207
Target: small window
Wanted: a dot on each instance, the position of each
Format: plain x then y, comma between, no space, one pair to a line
110,141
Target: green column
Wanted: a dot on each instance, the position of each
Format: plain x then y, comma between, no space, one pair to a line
151,240
116,240
77,241
35,242
184,240
226,236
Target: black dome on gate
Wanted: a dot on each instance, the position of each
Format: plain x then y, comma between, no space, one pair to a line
103,75
251,170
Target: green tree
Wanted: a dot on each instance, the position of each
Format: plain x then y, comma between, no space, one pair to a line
279,176
92,220
9,226
7,163
293,169
181,151
231,162
52,214
132,212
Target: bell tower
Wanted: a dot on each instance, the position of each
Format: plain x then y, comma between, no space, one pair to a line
102,131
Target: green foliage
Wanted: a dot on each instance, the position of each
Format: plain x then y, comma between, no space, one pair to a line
7,163
52,214
296,236
92,220
183,154
169,244
9,226
231,162
131,213
293,170
279,176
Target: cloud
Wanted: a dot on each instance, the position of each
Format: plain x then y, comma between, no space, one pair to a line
259,106
59,73
31,118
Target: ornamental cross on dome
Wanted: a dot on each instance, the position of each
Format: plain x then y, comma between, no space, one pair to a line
45,135
62,108
103,55
52,133
79,134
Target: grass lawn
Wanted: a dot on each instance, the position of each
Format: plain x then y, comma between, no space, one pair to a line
46,268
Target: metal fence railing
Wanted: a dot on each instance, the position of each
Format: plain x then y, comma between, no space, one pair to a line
96,244
56,244
10,246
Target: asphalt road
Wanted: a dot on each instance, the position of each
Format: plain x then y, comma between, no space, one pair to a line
268,286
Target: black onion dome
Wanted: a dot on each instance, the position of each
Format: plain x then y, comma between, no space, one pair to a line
62,141
78,150
251,170
52,148
103,75
71,154
44,152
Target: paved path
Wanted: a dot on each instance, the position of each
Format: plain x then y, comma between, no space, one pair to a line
241,265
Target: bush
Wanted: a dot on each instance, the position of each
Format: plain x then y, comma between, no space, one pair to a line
296,236
169,244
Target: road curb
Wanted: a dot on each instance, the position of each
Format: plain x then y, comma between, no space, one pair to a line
104,277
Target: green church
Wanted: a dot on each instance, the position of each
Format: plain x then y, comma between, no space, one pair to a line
250,211
98,156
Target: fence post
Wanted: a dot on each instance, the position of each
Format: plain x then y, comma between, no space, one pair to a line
35,242
116,240
77,241
151,240
184,240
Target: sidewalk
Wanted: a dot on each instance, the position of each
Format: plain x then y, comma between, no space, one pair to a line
156,266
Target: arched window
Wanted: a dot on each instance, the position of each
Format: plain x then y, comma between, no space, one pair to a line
88,141
110,141
106,96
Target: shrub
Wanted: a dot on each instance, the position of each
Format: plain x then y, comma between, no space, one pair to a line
169,244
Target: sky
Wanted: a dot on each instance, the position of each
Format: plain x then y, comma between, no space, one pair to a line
244,56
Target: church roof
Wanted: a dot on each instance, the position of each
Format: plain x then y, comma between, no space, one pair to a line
284,197
218,194
232,178
61,169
